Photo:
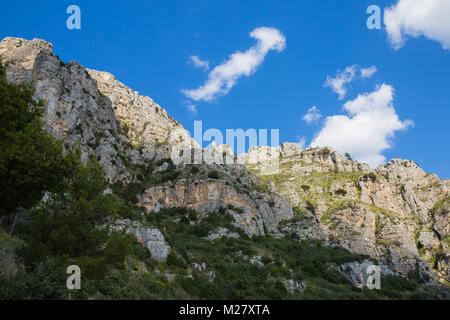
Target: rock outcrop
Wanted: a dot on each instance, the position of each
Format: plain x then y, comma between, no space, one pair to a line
396,213
92,109
359,273
254,213
150,238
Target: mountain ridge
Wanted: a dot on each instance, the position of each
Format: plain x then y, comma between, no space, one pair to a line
396,214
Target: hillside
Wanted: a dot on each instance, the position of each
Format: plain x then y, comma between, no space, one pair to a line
217,231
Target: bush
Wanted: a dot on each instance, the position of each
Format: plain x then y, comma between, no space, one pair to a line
194,169
213,175
31,160
305,188
340,192
175,261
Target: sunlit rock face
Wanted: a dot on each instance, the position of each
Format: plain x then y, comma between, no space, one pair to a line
396,213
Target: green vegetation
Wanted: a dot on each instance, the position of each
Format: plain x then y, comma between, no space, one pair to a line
370,176
340,192
213,175
260,187
443,203
235,278
305,187
31,160
70,225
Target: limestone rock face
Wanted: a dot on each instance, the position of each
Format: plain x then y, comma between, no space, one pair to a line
145,123
436,244
396,213
153,240
262,154
358,273
91,108
150,238
292,285
255,214
220,233
21,55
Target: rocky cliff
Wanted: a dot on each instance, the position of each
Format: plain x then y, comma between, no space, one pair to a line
93,109
397,213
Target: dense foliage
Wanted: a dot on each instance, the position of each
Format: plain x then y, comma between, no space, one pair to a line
56,202
31,160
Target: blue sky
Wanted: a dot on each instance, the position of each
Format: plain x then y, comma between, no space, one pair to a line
147,46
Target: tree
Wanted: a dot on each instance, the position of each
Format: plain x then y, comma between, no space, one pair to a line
72,224
31,160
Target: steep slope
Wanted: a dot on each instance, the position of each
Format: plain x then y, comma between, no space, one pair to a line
131,136
396,213
92,108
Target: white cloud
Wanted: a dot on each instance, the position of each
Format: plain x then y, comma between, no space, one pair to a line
429,18
337,84
198,63
301,141
342,78
368,72
223,77
368,128
190,107
312,115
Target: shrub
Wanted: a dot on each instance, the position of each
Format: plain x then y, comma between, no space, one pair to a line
305,188
340,192
213,175
31,160
175,261
194,169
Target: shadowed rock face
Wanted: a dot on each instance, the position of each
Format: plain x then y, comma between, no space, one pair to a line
93,109
396,213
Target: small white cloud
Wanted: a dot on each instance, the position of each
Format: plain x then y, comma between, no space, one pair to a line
301,141
337,84
429,18
198,63
368,128
312,115
342,78
368,72
190,107
224,76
